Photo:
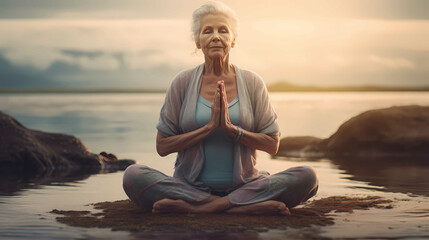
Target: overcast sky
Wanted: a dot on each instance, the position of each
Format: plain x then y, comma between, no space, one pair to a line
136,43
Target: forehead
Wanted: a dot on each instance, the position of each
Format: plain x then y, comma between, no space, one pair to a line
215,20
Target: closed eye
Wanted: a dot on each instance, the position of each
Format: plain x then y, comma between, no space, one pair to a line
207,30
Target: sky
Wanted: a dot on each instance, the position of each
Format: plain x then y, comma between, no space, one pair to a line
145,43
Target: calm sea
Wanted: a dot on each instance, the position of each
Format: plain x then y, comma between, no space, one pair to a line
124,124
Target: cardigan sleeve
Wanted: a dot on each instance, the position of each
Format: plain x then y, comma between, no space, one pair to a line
264,114
168,124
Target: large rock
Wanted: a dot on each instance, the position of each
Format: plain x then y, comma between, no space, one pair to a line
303,146
34,151
394,131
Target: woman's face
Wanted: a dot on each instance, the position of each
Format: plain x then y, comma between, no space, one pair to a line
216,38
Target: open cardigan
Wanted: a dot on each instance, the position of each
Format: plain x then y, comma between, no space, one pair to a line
177,116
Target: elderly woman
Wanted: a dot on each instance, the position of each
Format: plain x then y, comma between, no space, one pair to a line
216,116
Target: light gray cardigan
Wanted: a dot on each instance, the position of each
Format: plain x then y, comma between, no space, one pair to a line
178,116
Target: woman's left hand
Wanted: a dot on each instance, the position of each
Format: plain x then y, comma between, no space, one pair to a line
259,141
225,122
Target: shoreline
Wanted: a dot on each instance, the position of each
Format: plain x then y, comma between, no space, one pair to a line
126,216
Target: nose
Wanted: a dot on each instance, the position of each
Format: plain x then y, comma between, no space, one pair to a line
216,37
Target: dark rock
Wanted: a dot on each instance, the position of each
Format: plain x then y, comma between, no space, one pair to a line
387,148
395,131
26,150
305,146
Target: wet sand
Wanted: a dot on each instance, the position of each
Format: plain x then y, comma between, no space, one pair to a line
124,215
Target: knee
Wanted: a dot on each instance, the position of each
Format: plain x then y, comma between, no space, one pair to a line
305,175
131,170
309,176
130,175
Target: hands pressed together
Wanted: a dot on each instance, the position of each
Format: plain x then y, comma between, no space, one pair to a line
220,115
219,118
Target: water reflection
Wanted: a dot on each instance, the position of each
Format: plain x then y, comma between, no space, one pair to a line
12,182
408,175
246,235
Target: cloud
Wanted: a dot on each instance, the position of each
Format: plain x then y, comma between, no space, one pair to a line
93,9
61,68
62,74
167,9
93,59
96,44
322,52
332,52
16,77
394,63
79,53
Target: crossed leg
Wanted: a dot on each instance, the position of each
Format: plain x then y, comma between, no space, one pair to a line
220,204
269,195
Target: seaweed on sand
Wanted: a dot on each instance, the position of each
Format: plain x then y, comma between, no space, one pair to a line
125,215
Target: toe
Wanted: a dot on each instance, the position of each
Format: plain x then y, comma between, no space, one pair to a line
283,209
281,206
156,206
287,212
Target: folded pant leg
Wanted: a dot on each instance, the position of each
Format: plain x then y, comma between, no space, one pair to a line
145,185
300,191
292,186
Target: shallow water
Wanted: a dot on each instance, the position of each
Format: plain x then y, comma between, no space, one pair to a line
124,124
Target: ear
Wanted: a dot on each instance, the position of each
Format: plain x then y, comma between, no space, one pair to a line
233,43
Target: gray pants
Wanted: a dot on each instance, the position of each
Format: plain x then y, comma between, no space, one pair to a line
145,185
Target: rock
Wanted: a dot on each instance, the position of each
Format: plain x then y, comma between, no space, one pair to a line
386,147
33,151
394,131
305,146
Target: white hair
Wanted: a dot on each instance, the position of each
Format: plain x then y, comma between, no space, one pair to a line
213,7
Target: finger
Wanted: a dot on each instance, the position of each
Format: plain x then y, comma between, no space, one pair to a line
216,95
220,101
216,98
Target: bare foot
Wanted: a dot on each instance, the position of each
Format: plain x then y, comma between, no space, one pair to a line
210,205
263,208
205,201
171,206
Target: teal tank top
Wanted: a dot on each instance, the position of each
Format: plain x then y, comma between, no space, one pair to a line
218,148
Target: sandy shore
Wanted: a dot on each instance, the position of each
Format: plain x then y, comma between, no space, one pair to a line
124,215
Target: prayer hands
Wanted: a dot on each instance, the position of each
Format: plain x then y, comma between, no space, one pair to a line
225,122
216,110
219,114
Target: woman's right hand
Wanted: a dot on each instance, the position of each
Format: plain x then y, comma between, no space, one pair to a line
167,145
216,111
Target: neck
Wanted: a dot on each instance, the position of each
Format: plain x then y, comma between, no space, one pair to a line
217,66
